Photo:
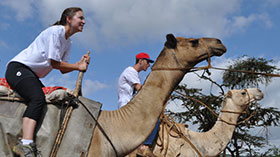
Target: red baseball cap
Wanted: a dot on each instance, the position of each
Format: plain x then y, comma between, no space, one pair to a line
145,56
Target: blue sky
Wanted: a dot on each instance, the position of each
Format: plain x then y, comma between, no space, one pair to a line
116,31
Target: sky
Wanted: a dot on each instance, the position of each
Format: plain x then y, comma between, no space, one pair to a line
116,30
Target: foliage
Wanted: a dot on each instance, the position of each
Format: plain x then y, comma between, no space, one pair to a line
196,112
242,141
238,80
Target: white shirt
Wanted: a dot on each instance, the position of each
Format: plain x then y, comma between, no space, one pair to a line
50,44
127,80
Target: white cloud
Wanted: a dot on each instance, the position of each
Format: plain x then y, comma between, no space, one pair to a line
241,22
271,92
193,81
22,8
265,19
59,80
67,81
272,133
90,87
111,22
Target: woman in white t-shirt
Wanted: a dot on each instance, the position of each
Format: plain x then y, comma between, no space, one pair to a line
50,50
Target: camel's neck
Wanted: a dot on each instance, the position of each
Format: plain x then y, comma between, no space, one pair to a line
216,139
156,91
135,121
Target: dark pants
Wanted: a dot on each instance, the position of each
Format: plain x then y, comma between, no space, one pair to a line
25,82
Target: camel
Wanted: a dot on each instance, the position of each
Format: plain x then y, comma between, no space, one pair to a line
119,132
129,126
214,141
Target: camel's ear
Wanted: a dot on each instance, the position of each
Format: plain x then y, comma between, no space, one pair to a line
229,94
171,41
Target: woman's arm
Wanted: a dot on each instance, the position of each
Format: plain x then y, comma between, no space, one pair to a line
65,67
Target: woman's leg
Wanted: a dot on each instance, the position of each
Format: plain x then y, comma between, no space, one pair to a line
31,90
28,127
29,87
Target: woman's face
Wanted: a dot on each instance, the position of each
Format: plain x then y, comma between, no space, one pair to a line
77,22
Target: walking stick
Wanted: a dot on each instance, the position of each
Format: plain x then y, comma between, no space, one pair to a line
67,115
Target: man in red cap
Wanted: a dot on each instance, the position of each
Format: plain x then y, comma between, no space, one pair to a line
129,81
129,84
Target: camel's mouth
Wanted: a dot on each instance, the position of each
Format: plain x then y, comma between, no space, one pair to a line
255,94
259,96
218,51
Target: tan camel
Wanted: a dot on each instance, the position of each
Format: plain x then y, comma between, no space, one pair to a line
123,130
214,141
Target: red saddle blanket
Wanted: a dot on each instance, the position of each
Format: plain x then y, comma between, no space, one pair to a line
47,90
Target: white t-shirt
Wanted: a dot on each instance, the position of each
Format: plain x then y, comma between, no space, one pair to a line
127,80
50,44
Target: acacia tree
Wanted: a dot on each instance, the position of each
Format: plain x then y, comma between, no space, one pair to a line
242,141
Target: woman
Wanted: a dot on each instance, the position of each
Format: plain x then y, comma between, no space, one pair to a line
50,50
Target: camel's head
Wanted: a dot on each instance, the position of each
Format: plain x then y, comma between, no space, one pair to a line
242,98
186,52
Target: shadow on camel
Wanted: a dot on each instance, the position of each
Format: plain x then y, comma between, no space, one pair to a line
119,132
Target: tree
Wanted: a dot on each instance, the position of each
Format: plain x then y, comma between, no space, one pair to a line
242,141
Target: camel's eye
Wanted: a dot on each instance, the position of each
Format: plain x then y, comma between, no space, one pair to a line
194,42
243,93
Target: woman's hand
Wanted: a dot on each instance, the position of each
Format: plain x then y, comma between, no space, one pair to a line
65,67
83,63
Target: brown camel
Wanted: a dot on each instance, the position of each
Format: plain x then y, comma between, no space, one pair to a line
129,126
119,132
214,141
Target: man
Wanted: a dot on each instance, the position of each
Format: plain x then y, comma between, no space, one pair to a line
129,84
129,81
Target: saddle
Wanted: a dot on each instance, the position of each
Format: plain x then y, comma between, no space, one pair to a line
76,140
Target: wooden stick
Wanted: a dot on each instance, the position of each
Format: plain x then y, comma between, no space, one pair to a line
78,86
67,116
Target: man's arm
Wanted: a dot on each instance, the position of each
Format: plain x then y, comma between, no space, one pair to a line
137,86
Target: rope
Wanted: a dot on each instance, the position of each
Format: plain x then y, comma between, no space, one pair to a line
244,71
100,127
209,66
173,126
61,132
214,113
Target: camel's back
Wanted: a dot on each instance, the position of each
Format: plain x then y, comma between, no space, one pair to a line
77,135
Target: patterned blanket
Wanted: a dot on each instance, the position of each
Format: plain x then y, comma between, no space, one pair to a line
53,94
47,90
